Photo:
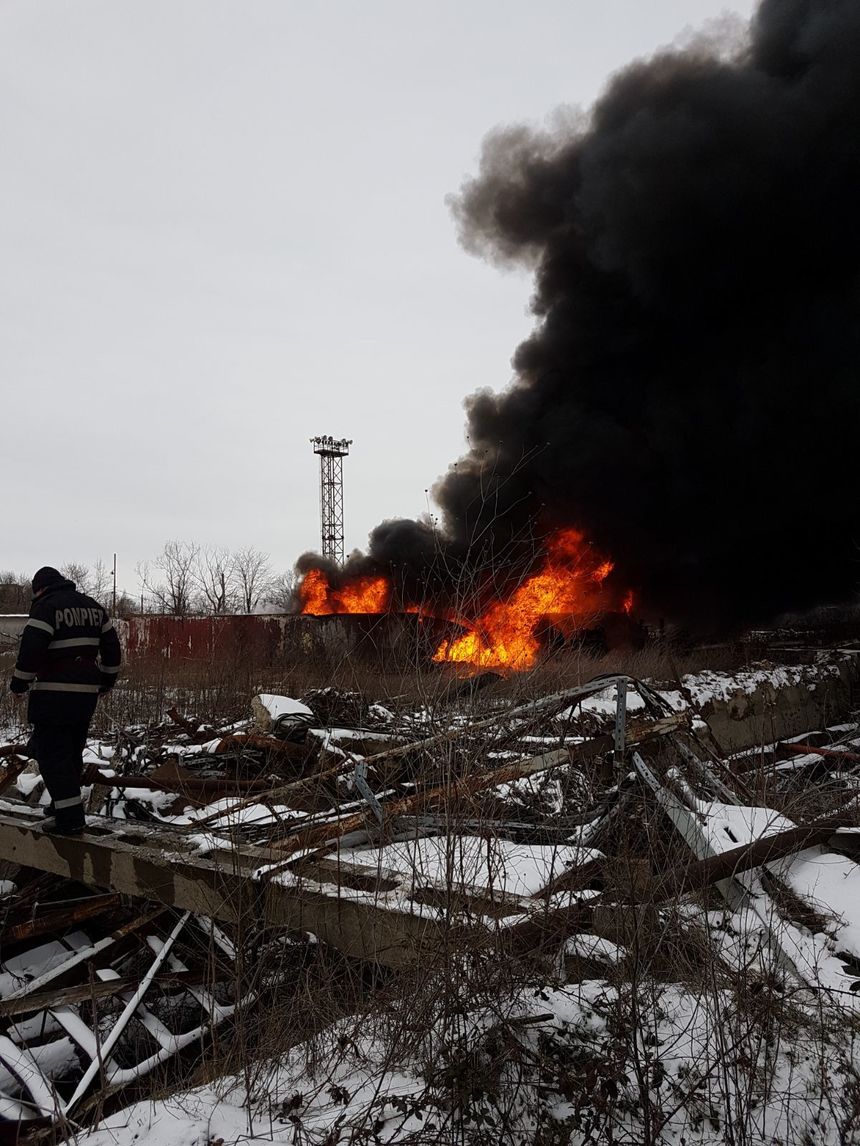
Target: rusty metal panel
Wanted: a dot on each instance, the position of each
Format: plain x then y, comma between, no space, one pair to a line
372,638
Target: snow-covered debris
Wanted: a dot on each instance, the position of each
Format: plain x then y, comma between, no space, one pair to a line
638,1056
728,826
594,947
513,869
579,1065
274,713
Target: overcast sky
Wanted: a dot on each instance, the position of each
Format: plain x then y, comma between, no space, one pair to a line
224,230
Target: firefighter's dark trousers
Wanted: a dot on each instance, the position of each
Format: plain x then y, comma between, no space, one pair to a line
58,750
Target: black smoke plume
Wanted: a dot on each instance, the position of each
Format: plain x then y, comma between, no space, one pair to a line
690,395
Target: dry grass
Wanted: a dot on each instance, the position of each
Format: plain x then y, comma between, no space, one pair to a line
148,687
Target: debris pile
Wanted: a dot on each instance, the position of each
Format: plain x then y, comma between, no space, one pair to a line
577,832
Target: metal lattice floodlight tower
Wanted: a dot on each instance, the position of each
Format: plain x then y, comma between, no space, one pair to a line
332,451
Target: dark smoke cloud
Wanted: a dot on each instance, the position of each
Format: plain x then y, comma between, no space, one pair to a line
690,393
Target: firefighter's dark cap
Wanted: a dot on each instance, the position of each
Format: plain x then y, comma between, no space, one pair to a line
45,577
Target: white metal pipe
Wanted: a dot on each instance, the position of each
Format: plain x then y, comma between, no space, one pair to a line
124,1019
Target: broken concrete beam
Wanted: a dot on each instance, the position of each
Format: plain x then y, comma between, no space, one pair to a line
152,866
454,896
784,702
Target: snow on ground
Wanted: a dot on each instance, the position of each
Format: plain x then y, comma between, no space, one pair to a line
831,885
572,1070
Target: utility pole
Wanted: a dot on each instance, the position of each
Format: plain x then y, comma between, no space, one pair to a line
113,606
331,452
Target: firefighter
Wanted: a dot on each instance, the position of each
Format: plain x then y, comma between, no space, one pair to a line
69,657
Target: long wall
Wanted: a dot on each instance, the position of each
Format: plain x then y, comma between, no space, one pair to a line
369,637
265,637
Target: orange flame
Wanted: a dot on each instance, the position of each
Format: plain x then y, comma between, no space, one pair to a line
361,595
569,583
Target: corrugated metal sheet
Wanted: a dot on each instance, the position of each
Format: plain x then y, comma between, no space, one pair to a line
200,638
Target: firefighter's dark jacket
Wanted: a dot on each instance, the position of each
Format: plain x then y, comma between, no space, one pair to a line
69,654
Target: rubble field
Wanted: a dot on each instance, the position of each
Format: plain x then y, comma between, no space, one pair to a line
618,913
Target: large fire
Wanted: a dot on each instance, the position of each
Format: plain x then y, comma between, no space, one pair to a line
360,595
568,587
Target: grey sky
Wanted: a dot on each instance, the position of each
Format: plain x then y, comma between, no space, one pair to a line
224,230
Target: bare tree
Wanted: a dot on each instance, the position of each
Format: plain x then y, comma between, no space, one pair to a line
101,581
251,577
281,591
95,582
170,578
78,572
214,573
15,592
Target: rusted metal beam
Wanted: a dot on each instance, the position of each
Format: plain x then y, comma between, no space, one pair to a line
809,750
552,926
97,989
546,929
545,707
68,967
455,793
13,750
448,796
179,781
283,750
196,733
18,759
60,919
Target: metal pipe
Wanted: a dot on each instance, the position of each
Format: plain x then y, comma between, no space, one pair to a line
124,1019
809,750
